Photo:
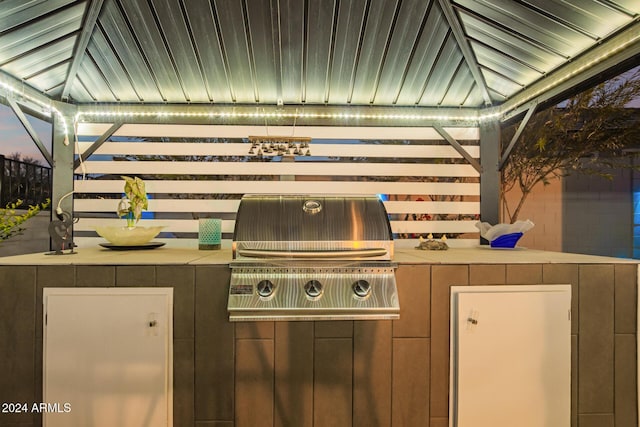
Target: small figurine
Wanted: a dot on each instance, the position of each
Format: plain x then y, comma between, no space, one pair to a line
432,245
61,234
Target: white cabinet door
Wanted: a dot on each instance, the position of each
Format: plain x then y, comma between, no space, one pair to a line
511,356
107,357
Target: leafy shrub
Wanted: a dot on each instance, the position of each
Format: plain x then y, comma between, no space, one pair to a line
10,221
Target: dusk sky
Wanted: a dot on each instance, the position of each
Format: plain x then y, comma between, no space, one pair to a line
14,138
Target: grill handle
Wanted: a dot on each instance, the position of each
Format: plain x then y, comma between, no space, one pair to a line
350,253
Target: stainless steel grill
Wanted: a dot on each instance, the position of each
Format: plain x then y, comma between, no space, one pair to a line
309,257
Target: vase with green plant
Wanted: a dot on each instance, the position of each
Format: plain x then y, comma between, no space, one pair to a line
130,207
134,202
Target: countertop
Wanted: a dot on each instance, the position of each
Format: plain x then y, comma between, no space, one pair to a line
168,255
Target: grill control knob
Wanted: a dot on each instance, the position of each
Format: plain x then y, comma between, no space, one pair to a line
313,288
361,288
265,288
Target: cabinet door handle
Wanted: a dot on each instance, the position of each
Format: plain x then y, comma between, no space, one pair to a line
472,319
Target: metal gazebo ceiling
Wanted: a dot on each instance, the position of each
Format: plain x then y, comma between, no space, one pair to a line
426,53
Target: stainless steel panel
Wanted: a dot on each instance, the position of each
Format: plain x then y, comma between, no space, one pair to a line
289,300
349,254
284,219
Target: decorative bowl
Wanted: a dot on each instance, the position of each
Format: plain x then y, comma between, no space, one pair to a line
506,240
128,236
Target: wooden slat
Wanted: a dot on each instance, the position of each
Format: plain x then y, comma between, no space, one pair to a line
420,227
231,206
171,225
161,205
316,132
191,225
432,207
284,187
278,168
317,149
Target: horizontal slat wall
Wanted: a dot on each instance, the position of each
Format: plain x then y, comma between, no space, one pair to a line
188,175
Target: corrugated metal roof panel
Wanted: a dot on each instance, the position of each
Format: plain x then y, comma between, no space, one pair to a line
435,53
446,67
150,40
43,57
35,34
125,50
51,79
406,33
420,70
510,44
345,53
319,45
181,54
235,42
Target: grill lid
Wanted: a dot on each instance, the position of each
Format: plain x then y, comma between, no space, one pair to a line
311,226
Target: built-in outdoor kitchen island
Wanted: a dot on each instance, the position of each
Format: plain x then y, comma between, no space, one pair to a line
197,104
329,373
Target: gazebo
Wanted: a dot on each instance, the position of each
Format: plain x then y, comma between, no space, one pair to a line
111,73
404,99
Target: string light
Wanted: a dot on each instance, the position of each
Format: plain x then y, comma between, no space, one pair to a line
280,115
45,107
